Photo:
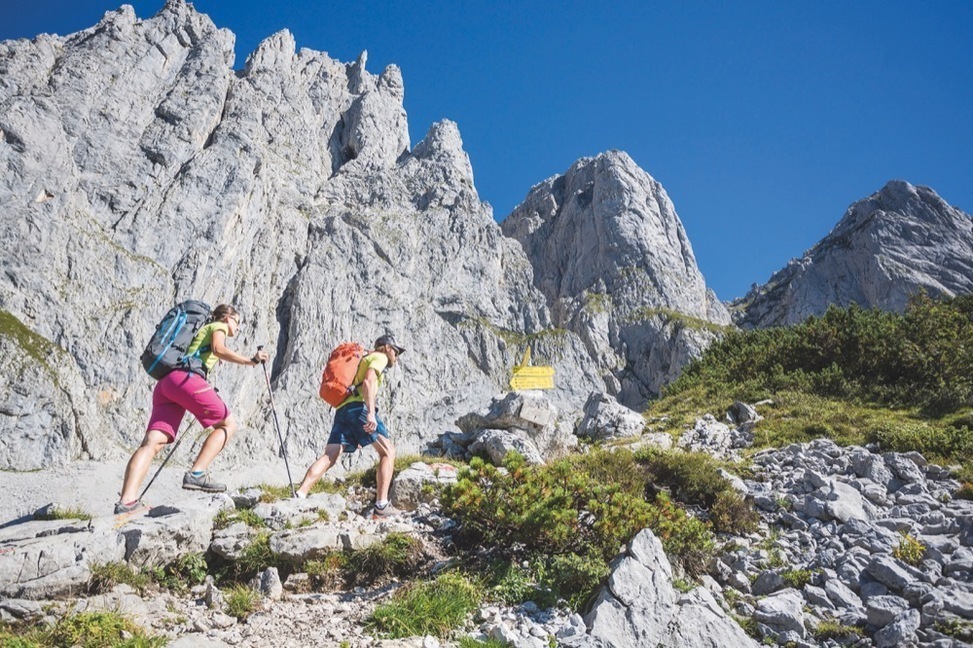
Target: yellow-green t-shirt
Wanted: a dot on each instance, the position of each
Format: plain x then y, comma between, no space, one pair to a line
203,342
375,360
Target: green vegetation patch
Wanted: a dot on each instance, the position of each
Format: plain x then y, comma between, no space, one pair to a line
470,642
694,478
562,508
853,375
398,554
105,576
909,550
797,578
69,513
183,573
547,580
84,630
427,608
225,518
669,316
241,600
34,346
838,631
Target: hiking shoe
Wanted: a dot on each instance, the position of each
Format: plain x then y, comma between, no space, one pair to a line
127,508
387,511
203,483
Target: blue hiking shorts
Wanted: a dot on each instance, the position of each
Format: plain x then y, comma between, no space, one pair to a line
349,427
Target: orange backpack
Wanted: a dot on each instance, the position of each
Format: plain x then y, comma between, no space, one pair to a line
338,381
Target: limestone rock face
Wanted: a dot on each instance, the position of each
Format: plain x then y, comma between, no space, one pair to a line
613,261
886,248
138,168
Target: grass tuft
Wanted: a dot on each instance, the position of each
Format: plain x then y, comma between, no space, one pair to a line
55,513
241,600
105,576
427,608
83,630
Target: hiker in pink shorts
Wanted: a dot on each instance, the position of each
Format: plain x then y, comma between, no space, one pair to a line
182,390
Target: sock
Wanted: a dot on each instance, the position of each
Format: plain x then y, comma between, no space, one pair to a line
198,473
301,495
381,504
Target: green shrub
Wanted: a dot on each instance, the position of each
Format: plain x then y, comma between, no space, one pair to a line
909,550
546,579
20,636
945,441
511,582
732,513
619,468
694,478
573,578
241,600
559,508
956,628
921,358
426,608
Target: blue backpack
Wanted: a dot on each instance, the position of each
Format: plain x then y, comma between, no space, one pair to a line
166,349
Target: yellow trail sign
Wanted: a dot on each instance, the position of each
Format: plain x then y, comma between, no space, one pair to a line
526,376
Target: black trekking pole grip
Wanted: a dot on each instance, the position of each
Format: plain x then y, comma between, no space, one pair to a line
273,408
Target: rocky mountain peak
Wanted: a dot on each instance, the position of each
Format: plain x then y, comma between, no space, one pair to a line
886,248
614,262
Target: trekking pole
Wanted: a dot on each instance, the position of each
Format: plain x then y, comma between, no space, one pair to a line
273,408
179,439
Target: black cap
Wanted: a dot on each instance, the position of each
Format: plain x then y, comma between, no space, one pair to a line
390,341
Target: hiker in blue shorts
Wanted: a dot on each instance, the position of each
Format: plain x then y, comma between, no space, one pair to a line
358,424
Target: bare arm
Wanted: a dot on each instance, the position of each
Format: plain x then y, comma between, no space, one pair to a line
369,388
223,352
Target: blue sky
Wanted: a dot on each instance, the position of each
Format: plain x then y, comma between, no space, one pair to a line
763,120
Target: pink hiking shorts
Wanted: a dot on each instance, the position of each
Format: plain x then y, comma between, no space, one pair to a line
180,391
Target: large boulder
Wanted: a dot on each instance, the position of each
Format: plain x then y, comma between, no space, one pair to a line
525,421
420,482
640,607
605,418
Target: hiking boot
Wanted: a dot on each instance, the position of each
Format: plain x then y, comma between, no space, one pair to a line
387,511
127,508
203,483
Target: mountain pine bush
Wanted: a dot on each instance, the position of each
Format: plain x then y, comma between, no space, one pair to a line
922,358
562,508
